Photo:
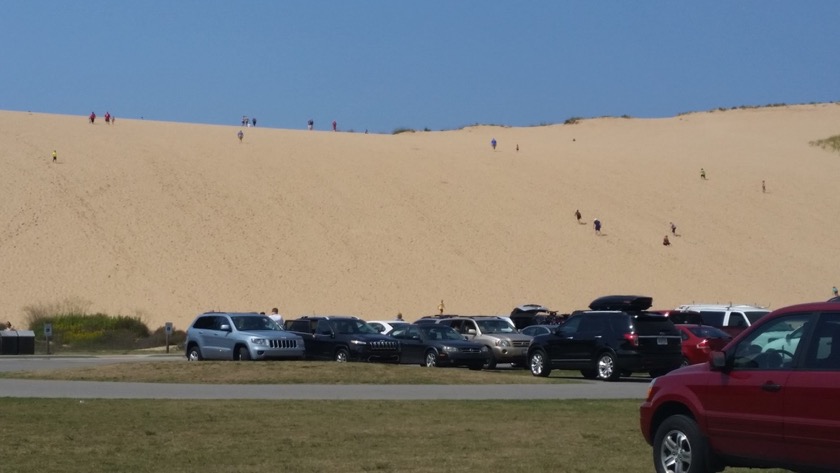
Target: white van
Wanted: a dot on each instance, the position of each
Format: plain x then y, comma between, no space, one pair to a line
730,318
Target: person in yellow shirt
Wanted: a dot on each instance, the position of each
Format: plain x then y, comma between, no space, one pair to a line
55,156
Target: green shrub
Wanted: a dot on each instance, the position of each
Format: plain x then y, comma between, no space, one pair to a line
829,144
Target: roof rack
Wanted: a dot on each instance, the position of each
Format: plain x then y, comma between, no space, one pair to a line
625,303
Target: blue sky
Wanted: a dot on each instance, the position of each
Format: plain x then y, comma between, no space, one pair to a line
385,64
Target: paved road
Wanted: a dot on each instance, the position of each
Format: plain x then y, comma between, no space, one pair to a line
629,389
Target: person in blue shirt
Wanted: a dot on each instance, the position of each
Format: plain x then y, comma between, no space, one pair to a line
493,143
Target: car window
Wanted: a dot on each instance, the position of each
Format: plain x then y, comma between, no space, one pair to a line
824,349
205,322
754,316
771,346
399,332
737,319
377,326
712,317
571,324
324,327
705,331
496,326
592,323
250,323
413,333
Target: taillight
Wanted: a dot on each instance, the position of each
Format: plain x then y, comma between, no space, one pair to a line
704,346
632,338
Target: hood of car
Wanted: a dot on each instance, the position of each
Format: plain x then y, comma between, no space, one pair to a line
273,334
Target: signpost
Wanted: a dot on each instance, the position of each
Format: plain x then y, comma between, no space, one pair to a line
48,335
168,331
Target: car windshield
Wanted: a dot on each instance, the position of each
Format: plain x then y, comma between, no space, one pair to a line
495,326
349,326
440,332
255,323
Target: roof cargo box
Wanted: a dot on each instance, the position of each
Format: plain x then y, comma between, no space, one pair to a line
626,303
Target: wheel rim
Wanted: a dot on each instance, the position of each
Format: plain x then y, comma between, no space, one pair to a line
341,356
606,366
675,452
193,355
431,360
537,364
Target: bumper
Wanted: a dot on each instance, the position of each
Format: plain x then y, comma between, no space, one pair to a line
459,358
259,352
644,363
365,353
510,354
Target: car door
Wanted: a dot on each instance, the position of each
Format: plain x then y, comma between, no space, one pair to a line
205,328
811,406
323,340
413,346
563,345
745,406
222,337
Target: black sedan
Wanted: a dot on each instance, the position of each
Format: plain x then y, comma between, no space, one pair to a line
438,345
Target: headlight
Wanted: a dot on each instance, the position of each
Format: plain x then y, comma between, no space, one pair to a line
358,342
259,341
448,348
484,349
502,343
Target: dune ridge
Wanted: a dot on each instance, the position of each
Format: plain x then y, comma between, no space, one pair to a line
165,220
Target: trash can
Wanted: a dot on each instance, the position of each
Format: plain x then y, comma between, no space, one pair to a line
8,342
26,342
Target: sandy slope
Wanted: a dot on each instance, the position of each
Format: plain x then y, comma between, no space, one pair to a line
166,220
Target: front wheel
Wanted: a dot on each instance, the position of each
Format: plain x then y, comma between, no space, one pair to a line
476,366
607,370
679,446
242,354
431,359
342,355
538,365
491,360
194,354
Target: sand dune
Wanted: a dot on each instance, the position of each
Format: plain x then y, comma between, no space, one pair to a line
166,220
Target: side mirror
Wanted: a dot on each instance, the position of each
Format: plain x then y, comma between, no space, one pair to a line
717,360
224,328
470,331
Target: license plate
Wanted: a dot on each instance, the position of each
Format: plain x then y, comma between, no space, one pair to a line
661,341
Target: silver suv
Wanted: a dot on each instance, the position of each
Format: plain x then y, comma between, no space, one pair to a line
498,334
240,336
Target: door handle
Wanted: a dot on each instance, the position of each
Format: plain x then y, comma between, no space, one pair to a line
772,387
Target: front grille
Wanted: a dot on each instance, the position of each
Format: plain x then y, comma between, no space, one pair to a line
283,343
521,343
470,350
383,345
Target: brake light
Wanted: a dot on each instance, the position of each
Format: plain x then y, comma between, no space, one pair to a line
704,346
632,338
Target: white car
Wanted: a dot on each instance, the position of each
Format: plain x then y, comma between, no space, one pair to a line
386,326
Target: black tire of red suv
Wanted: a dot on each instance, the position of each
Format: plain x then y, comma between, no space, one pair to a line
538,364
606,367
678,439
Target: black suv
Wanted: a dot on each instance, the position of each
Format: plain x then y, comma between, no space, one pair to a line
343,338
616,338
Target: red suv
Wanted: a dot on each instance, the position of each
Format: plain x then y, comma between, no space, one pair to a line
770,399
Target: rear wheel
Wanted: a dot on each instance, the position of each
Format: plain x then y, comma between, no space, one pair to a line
538,365
431,359
607,370
475,366
242,354
680,447
342,355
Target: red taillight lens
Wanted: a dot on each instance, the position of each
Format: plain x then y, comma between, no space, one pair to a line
704,346
632,338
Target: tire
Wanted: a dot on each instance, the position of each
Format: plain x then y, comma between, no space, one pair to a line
475,367
685,362
589,374
606,369
491,360
242,354
431,359
342,355
658,373
194,354
679,446
538,364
